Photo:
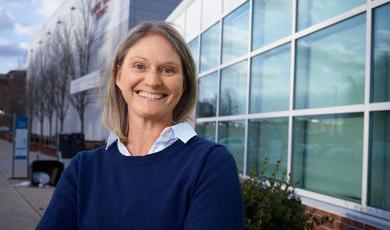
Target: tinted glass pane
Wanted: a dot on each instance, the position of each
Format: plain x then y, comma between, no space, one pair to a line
311,12
206,130
267,138
232,135
209,48
270,81
235,34
379,179
208,89
268,15
233,89
327,154
194,48
380,82
330,66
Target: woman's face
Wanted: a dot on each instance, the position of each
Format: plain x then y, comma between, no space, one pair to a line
151,79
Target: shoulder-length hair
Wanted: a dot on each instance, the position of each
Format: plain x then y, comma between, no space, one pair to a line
115,114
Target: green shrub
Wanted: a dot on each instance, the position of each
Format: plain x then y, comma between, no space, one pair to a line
273,204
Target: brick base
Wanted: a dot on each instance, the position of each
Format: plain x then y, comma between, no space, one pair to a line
339,222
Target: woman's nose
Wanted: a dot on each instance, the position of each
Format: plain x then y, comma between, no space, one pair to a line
153,79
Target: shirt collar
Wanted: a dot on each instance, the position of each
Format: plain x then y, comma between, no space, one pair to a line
182,131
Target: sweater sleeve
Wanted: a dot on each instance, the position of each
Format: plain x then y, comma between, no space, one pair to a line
217,200
61,212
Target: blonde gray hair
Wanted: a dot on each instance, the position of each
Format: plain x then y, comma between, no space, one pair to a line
115,115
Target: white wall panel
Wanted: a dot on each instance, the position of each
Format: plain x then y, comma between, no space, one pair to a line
211,12
179,23
192,27
230,5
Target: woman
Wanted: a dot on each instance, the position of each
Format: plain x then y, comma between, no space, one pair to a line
154,173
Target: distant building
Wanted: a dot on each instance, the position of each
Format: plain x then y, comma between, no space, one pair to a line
12,96
115,18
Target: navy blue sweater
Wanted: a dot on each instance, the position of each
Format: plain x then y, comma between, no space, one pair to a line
186,186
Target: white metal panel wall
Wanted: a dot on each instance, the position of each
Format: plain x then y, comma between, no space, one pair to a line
193,17
179,23
229,5
192,26
211,12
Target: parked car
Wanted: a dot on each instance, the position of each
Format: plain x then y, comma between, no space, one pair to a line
4,129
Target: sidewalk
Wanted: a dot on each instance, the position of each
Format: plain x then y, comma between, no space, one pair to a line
20,207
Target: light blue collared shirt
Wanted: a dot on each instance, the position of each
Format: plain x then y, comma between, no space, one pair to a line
168,136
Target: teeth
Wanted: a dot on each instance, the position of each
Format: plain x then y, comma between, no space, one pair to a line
155,96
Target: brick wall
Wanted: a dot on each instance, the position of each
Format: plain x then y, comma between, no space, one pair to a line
341,223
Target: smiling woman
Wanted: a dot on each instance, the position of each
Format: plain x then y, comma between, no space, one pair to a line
155,172
151,80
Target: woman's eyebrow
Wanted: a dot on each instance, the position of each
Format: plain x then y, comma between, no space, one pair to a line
170,63
137,57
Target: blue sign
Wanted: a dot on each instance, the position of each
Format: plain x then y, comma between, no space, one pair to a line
21,122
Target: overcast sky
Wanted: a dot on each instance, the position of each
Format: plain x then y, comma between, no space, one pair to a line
19,21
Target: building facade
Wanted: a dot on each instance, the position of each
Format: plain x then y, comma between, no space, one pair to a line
303,82
12,96
113,19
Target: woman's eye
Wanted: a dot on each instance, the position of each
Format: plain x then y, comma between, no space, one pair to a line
167,70
139,66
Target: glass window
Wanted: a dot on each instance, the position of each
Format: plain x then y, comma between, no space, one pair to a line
208,89
233,89
235,33
379,170
311,12
327,154
270,81
209,48
268,15
232,135
330,66
194,48
380,75
206,130
267,138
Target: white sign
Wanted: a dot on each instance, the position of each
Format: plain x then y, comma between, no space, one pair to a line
21,136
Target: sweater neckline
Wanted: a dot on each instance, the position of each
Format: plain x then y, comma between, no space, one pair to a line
149,158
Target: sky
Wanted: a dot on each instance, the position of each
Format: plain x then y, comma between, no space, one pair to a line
20,20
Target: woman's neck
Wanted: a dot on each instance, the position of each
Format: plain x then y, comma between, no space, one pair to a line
142,135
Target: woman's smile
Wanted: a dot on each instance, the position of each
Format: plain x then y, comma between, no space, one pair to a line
151,96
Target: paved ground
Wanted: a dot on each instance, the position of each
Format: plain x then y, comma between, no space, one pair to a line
21,207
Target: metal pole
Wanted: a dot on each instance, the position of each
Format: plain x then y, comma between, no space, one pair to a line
28,149
13,145
59,154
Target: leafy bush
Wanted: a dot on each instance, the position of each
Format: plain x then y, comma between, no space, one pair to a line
273,204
